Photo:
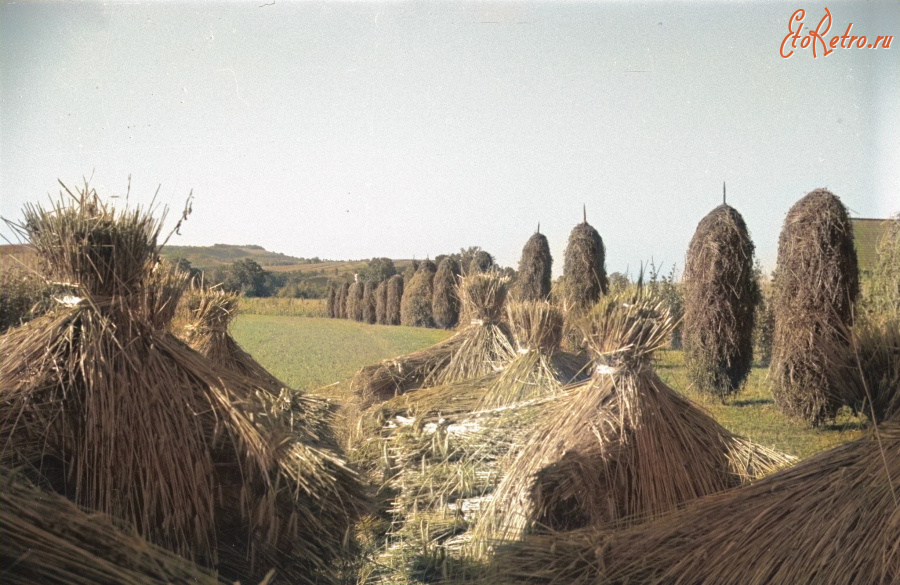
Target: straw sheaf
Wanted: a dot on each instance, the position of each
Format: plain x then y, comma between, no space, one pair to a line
208,313
535,270
47,539
343,293
816,285
485,340
103,406
721,295
368,303
833,519
162,293
539,368
621,448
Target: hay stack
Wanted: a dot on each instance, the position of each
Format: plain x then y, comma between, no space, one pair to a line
368,303
330,302
355,301
381,303
415,309
621,448
584,268
47,539
720,299
480,263
816,285
101,405
445,302
343,294
539,368
833,519
535,269
394,300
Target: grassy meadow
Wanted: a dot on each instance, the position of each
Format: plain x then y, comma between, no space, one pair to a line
320,354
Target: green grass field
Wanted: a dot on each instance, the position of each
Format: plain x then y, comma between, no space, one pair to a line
313,353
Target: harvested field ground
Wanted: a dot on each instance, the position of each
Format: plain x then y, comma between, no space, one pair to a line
310,353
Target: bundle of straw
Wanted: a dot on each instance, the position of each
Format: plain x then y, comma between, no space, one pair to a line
48,539
207,314
622,447
833,519
101,405
538,368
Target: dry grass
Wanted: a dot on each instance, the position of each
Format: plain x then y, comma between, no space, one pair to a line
833,519
49,540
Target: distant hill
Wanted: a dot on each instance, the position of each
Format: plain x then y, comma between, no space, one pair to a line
222,255
206,257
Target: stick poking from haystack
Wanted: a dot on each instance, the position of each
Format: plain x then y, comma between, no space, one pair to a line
47,539
833,519
539,368
102,405
623,447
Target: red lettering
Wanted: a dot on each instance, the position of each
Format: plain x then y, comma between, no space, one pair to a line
845,36
886,43
798,16
861,42
819,34
834,41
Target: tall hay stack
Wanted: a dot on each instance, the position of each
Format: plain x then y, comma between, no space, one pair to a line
816,285
535,270
343,293
355,301
368,302
445,302
101,404
584,268
381,303
720,299
331,301
480,263
394,300
832,519
620,448
49,540
415,308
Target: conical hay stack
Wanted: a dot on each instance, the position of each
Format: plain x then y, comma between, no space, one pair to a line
833,519
623,447
48,540
128,421
381,303
415,308
445,302
354,301
535,270
368,303
720,299
816,284
330,301
343,293
584,268
539,368
208,313
393,300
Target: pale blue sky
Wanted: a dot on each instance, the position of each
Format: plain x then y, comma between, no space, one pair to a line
413,129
